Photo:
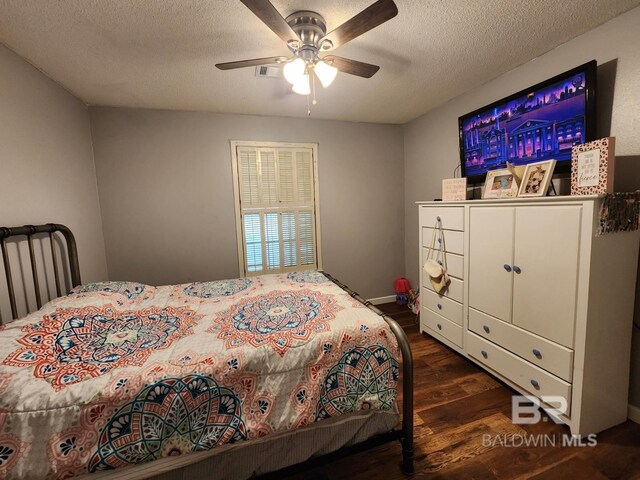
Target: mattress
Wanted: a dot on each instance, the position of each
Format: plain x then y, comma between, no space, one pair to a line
119,373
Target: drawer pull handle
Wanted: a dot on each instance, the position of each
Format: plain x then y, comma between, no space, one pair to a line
486,328
535,384
507,267
439,326
537,353
517,269
484,354
439,306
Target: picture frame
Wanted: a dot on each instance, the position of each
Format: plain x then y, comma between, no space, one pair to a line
500,184
592,166
536,179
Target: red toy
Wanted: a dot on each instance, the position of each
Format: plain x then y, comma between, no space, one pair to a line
402,287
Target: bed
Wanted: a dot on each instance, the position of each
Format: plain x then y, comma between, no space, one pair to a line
224,379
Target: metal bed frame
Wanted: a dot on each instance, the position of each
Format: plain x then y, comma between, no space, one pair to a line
29,231
404,434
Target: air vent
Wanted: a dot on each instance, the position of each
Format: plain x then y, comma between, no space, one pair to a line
266,71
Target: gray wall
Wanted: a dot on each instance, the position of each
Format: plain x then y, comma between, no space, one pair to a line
166,194
431,141
46,162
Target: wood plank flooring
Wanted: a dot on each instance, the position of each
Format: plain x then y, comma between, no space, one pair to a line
456,403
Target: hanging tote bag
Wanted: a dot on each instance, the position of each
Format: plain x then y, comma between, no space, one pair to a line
436,263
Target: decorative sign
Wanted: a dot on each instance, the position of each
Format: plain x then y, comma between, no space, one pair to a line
454,189
589,168
592,167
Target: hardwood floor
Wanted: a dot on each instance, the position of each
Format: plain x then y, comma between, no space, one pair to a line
456,403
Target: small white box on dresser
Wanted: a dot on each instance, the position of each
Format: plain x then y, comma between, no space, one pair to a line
537,299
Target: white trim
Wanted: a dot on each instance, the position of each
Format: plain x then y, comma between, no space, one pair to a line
381,300
633,413
236,201
316,186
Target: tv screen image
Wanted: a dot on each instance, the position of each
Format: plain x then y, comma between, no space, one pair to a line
539,123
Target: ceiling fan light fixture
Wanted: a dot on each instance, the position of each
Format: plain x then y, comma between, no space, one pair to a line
305,33
294,71
302,86
325,72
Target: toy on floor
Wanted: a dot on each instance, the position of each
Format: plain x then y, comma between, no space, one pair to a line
403,288
414,301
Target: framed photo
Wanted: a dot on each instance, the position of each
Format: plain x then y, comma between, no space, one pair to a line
536,179
500,184
592,167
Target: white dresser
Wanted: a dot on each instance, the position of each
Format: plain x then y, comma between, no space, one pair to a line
537,299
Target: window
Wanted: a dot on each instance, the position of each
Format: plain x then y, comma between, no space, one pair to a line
276,193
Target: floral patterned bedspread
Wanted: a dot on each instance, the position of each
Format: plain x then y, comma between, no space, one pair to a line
119,373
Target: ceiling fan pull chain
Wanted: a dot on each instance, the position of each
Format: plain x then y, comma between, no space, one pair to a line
308,107
313,88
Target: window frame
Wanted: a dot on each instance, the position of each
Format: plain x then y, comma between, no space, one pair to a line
235,144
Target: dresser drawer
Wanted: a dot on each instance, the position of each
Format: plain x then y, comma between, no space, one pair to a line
524,374
455,263
537,350
453,241
438,326
454,291
452,218
442,305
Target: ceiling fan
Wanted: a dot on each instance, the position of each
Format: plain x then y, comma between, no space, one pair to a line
305,34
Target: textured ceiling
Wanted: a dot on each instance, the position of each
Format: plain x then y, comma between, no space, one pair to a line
161,54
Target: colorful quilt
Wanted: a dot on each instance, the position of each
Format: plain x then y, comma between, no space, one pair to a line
120,373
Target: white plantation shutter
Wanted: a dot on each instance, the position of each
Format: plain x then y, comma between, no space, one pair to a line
268,177
277,194
253,241
248,172
306,235
286,176
289,244
304,176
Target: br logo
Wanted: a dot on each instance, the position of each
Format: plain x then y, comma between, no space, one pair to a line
525,409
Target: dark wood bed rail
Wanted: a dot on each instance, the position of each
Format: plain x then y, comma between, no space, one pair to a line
29,231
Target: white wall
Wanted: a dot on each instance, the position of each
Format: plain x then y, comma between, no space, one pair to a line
431,141
46,161
167,203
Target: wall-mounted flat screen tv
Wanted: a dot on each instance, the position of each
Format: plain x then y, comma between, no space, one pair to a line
539,123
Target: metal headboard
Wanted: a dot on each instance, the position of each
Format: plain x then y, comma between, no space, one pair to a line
29,231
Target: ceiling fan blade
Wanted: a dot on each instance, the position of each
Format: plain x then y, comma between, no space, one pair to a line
254,62
266,12
352,67
369,18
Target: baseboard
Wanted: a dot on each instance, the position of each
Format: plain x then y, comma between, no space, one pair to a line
633,413
380,300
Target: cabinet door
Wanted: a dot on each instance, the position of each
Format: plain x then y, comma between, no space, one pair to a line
546,255
490,249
